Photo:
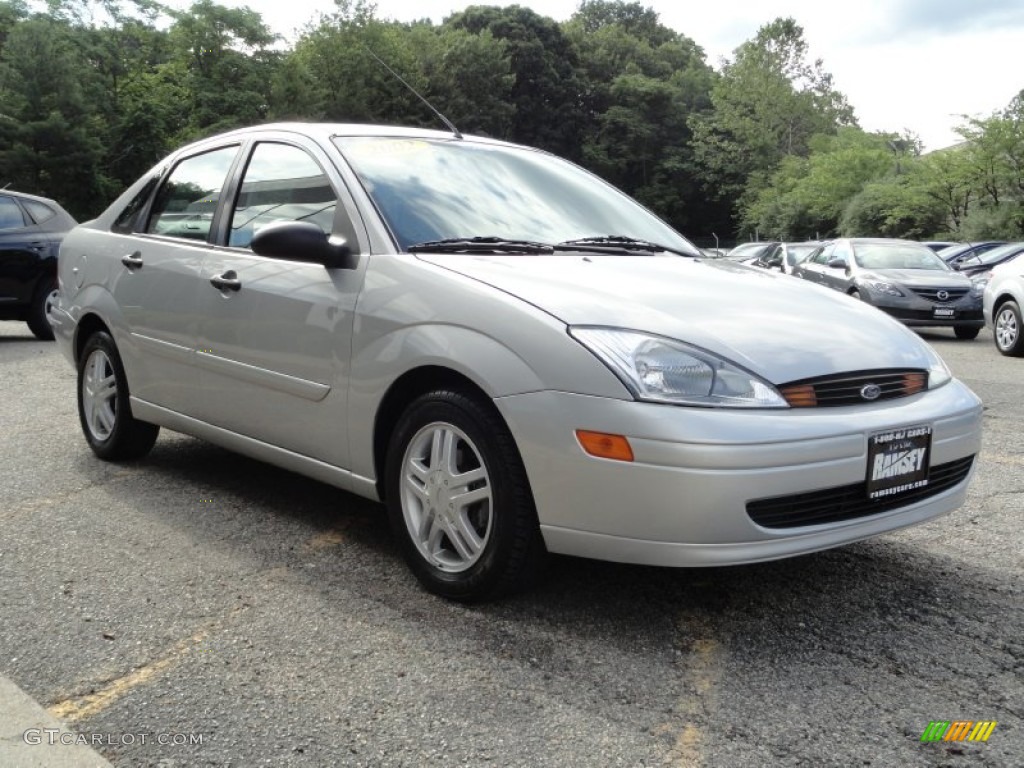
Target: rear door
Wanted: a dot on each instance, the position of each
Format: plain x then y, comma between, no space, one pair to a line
158,278
22,251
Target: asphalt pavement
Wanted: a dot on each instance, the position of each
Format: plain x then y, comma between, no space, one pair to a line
199,608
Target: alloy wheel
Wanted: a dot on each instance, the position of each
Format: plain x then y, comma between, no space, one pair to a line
99,395
1006,328
446,497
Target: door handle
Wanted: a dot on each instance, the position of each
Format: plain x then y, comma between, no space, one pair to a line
227,282
133,261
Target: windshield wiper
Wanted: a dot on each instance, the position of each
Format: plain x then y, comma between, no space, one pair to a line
617,242
479,245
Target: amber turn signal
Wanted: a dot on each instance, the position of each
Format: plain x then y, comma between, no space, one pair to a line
605,446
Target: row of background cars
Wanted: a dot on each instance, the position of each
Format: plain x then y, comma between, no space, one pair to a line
959,285
900,277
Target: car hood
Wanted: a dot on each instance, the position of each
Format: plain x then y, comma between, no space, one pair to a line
923,278
779,327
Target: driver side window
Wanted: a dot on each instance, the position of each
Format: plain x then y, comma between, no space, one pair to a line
824,255
281,183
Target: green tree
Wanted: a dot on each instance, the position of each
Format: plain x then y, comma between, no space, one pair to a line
48,137
640,83
768,103
892,207
225,56
545,93
807,196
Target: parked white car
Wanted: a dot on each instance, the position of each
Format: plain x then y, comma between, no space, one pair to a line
1003,299
511,354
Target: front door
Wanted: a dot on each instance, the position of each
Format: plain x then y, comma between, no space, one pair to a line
275,335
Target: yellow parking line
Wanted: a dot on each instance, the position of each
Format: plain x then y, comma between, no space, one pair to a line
79,708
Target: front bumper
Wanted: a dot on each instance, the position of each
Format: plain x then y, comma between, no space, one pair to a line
916,311
683,501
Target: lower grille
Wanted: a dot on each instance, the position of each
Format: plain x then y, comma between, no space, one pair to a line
850,502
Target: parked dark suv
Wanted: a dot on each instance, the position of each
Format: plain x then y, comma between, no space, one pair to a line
31,230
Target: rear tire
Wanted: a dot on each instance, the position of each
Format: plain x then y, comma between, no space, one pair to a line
103,407
37,322
459,500
1007,331
966,332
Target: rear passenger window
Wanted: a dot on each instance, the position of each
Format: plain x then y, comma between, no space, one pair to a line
11,216
185,205
126,220
38,211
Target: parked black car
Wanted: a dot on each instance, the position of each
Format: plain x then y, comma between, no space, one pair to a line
980,265
954,254
903,278
31,230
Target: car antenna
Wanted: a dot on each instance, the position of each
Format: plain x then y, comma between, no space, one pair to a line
451,126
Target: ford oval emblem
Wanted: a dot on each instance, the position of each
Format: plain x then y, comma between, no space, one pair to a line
871,391
942,295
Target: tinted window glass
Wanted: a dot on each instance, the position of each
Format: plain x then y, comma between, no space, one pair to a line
126,221
281,183
185,205
38,211
11,216
434,189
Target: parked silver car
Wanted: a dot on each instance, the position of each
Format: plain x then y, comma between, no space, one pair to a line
902,278
1004,297
511,354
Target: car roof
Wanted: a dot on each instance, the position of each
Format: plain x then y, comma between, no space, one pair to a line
327,131
27,196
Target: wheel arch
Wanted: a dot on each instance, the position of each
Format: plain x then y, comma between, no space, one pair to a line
401,393
1002,299
88,324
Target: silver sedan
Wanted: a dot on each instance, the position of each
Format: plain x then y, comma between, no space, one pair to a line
512,355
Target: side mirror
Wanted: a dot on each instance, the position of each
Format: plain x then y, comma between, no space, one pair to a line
839,263
303,241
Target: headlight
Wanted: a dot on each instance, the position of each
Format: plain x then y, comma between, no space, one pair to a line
881,286
978,284
667,371
938,373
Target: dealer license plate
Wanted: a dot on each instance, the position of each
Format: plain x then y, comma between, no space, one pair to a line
898,461
943,312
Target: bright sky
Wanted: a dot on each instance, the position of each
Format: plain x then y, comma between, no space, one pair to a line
903,64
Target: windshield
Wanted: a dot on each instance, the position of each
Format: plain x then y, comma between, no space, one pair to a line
433,189
954,250
898,256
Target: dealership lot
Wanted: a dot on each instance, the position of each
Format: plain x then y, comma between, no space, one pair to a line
235,614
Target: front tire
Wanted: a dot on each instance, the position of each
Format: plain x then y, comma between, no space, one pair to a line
103,408
459,501
1007,331
966,332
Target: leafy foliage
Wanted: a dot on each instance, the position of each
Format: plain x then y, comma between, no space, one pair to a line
94,92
